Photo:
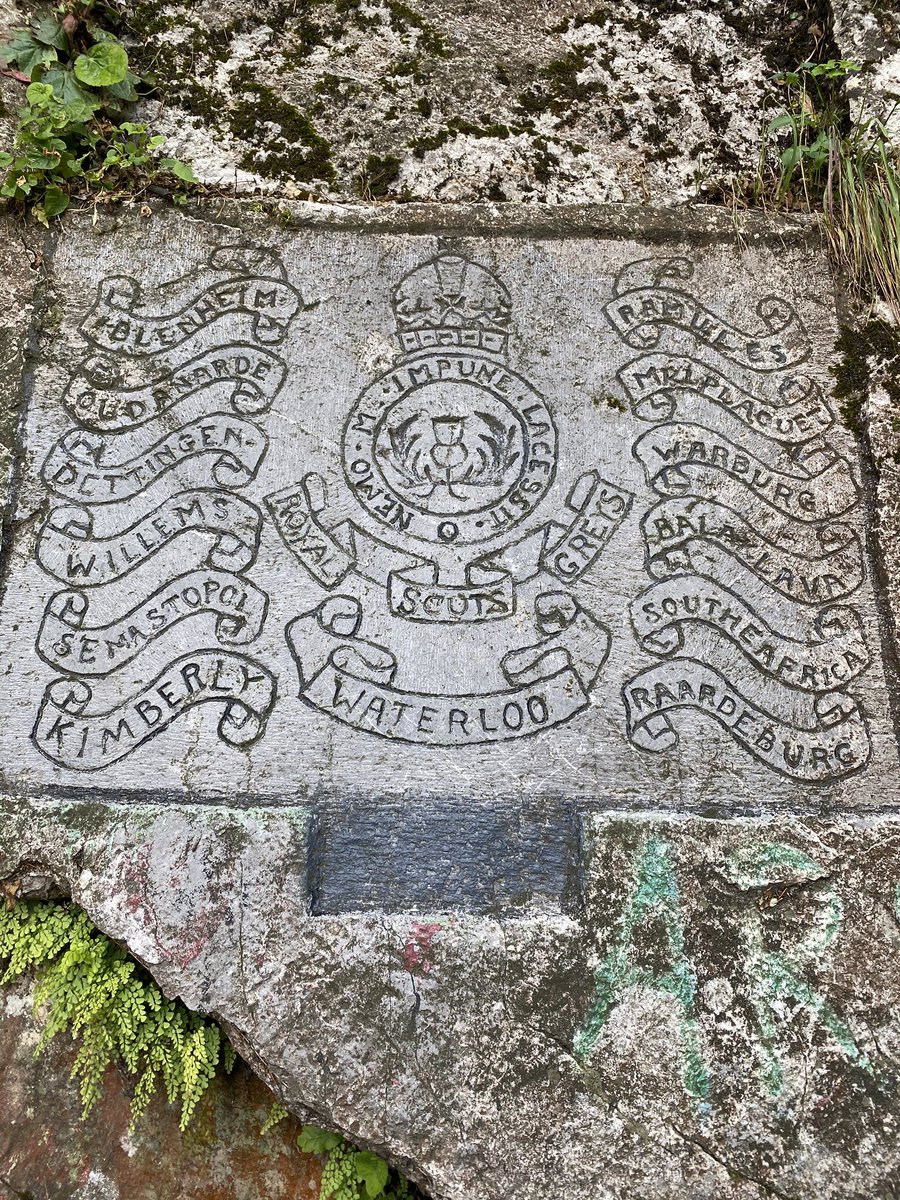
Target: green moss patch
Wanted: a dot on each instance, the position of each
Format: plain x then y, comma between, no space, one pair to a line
285,142
869,354
377,175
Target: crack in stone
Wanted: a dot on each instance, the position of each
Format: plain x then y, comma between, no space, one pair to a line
702,1144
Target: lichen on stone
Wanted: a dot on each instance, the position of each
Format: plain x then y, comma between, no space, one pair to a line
631,101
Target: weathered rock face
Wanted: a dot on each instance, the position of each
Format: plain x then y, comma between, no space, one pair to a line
558,102
442,643
868,33
717,1019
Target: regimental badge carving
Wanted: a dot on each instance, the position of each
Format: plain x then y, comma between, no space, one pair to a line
452,446
438,512
353,679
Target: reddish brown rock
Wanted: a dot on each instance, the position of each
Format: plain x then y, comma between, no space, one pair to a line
48,1153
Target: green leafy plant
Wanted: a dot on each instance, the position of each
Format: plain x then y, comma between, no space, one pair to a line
850,171
817,159
276,1114
71,140
351,1174
87,985
72,51
813,116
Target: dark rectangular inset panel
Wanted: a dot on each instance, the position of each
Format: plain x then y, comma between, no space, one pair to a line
486,859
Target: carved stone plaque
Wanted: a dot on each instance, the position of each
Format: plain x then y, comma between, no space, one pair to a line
410,514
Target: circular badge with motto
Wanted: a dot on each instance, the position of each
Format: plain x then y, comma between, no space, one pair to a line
450,448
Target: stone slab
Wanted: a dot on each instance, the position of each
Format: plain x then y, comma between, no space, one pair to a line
718,1020
391,598
419,506
492,859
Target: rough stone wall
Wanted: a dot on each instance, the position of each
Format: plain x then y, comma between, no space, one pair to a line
558,102
868,32
744,1046
709,1010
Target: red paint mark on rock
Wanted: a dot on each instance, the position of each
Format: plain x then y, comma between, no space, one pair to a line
417,951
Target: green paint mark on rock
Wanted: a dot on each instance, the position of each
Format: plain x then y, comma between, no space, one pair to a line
776,977
654,897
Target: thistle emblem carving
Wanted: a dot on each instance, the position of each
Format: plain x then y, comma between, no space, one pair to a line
448,464
456,453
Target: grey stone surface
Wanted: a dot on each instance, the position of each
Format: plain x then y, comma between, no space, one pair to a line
22,262
719,1020
374,583
474,858
493,100
416,514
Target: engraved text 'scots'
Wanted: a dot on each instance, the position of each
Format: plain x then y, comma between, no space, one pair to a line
447,462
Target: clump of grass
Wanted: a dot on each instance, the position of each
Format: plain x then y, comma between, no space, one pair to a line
799,142
815,157
862,211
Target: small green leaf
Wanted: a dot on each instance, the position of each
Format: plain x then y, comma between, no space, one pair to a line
179,169
99,34
103,65
55,201
38,93
79,112
779,122
49,32
313,1140
41,158
372,1171
22,40
27,53
126,91
276,1114
80,104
